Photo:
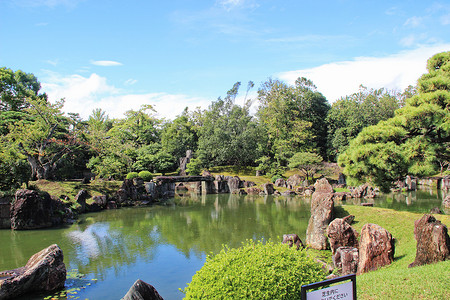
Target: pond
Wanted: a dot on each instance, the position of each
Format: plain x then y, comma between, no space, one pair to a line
165,245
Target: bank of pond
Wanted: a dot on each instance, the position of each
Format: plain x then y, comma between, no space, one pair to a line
165,244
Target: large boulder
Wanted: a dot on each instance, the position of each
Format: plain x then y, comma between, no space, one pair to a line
433,242
141,290
32,210
280,182
346,260
341,234
233,183
376,248
81,198
322,206
294,180
44,272
268,188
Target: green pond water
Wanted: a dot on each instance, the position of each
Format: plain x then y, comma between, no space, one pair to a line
165,245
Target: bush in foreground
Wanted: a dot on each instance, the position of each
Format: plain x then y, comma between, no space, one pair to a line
254,271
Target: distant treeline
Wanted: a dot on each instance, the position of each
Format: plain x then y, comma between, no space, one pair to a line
39,141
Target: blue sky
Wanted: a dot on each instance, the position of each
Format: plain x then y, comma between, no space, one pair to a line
118,55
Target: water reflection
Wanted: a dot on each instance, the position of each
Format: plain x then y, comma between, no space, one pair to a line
165,245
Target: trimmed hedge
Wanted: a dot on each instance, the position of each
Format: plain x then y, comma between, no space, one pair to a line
254,271
145,175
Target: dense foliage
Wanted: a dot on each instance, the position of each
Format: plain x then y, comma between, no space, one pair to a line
415,141
292,124
255,271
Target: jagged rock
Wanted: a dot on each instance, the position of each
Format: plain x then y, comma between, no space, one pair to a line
446,202
280,182
349,219
233,183
346,260
433,242
436,210
323,186
289,193
44,272
341,234
253,191
248,184
341,196
322,206
111,205
376,248
268,188
365,191
31,210
81,198
294,180
292,239
100,200
141,290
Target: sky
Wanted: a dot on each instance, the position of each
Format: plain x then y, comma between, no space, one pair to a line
119,55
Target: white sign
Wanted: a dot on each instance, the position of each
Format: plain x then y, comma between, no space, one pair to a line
336,292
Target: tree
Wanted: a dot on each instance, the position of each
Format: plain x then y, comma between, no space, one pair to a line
179,136
293,118
349,115
414,141
45,141
307,162
228,134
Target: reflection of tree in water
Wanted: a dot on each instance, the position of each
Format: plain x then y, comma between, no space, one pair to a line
204,226
110,240
200,225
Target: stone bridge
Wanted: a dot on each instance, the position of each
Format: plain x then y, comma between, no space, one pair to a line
165,186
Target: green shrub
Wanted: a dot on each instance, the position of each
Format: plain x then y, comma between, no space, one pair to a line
132,175
145,175
254,271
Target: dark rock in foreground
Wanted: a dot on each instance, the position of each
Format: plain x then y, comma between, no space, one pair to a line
44,272
141,290
433,242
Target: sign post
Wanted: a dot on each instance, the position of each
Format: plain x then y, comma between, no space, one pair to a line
343,291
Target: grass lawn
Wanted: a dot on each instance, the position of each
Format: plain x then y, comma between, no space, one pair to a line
397,281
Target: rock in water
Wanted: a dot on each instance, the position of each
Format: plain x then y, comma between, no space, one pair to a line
341,234
44,272
141,290
322,206
376,248
433,242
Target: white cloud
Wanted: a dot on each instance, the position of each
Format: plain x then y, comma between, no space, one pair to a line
339,79
413,22
445,20
106,63
83,94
